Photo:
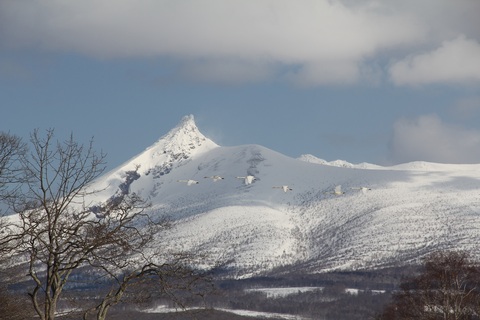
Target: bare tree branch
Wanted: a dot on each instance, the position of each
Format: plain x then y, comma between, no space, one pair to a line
447,289
11,150
58,231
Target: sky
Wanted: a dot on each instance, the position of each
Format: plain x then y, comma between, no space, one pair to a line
383,82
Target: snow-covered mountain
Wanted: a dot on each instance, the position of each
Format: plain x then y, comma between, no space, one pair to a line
382,216
337,163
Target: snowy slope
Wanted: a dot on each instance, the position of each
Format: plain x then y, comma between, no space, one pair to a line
338,163
171,151
409,210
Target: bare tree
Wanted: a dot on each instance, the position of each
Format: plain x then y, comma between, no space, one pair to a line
11,149
14,302
59,232
447,289
12,306
173,280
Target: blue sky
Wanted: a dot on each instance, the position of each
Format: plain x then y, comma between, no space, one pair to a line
364,81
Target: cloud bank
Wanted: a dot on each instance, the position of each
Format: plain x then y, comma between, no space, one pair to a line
454,61
307,42
427,138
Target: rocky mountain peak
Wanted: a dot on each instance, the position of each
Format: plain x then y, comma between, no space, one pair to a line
177,147
185,138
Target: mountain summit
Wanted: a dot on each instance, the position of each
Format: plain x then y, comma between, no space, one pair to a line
332,217
179,144
174,149
184,140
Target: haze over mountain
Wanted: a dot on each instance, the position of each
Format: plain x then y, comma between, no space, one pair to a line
381,216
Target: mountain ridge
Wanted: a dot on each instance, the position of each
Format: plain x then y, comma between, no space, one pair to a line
383,216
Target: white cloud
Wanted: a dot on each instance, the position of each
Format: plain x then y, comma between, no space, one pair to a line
427,138
286,30
444,19
455,61
329,41
325,41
